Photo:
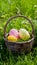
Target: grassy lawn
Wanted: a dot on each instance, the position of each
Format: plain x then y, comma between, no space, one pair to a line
9,8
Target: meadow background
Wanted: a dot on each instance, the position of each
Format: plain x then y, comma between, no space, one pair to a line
9,8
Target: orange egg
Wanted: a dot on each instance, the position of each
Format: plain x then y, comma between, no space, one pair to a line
12,38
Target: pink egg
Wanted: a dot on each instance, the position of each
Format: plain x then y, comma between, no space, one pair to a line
14,32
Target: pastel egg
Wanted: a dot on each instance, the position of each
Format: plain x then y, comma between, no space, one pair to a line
24,34
12,38
14,32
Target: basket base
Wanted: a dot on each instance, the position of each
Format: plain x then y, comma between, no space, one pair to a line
19,48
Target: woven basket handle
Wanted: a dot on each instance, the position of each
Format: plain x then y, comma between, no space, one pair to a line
16,17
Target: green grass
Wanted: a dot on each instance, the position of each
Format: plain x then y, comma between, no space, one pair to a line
9,8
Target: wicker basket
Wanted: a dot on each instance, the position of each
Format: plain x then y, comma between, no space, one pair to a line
19,46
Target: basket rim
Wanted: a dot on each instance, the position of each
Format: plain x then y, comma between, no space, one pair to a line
20,42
